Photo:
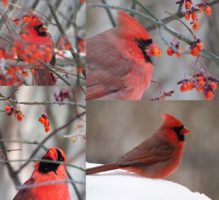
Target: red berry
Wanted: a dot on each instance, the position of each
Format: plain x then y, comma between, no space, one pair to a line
195,51
187,16
170,51
200,45
209,95
196,25
188,4
8,108
47,128
213,85
19,116
194,15
208,10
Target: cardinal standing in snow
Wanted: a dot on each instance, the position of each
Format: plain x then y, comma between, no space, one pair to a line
156,157
119,61
45,172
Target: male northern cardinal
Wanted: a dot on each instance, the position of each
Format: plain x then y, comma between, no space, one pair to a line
45,172
36,44
156,157
118,61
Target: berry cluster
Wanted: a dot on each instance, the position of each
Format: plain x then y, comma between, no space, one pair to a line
17,113
174,49
45,121
193,10
196,47
202,83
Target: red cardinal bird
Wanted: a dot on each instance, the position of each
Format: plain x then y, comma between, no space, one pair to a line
156,157
36,44
118,61
44,172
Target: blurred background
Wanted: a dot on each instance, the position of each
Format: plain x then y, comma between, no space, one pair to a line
16,135
114,128
168,70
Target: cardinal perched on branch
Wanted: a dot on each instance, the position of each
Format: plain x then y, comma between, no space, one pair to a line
156,157
119,61
35,46
45,172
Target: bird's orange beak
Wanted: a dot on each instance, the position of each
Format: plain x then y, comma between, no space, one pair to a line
51,154
185,131
153,50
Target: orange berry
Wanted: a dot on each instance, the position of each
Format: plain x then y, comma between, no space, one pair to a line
209,95
188,5
200,45
213,85
47,128
42,120
186,86
194,15
46,122
170,51
201,81
199,88
208,10
195,51
26,18
196,25
187,16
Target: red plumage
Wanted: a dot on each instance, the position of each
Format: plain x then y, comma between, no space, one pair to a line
118,61
44,172
35,44
156,157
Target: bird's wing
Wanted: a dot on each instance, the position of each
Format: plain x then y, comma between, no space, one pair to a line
105,74
25,194
149,152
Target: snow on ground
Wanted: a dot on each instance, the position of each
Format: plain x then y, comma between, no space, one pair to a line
119,184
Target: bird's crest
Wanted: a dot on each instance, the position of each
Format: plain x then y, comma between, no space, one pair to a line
131,25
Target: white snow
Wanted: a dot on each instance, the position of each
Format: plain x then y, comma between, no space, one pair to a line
119,184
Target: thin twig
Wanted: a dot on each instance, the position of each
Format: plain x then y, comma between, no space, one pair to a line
70,103
109,14
74,54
